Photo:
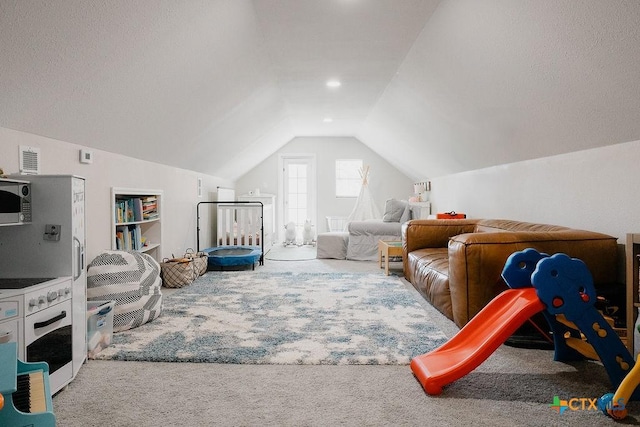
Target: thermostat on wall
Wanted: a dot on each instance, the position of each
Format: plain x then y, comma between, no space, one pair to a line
86,156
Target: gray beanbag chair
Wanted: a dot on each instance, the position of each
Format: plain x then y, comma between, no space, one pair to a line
132,280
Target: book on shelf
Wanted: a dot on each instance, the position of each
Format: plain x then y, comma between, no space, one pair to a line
124,213
133,209
137,209
149,207
129,238
118,214
119,239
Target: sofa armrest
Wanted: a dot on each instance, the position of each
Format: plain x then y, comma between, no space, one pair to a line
430,233
433,233
476,261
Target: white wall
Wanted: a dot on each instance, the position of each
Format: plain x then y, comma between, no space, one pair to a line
385,182
594,189
113,170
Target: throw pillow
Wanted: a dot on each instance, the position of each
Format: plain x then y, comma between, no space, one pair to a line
407,214
393,210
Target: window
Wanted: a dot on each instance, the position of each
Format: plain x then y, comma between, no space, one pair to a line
297,193
348,179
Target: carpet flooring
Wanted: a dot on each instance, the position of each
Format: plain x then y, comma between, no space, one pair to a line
513,387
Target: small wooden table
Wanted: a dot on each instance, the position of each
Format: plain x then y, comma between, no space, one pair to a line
386,249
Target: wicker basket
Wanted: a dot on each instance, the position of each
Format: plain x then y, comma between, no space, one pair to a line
178,272
200,259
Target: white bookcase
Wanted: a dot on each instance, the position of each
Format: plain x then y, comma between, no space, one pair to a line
136,220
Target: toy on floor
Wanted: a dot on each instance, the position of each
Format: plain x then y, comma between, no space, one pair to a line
563,290
25,391
290,234
307,234
614,404
221,257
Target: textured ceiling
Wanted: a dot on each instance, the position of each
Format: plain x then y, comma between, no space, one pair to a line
436,87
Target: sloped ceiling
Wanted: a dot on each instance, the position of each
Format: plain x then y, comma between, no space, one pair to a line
436,87
494,82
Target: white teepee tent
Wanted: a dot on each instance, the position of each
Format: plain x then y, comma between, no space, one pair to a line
365,207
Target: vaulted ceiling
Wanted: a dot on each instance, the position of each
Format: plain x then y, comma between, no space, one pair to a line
216,86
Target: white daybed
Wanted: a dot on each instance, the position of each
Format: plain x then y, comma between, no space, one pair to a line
361,238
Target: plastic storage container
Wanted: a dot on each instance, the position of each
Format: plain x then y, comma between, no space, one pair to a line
99,326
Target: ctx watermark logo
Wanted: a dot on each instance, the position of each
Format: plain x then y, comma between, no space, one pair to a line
577,404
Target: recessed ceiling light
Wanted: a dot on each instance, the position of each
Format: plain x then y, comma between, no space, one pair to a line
333,83
327,120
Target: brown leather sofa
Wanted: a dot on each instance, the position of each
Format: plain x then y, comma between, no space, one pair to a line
457,264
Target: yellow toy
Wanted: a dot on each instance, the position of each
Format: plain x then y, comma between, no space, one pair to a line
614,404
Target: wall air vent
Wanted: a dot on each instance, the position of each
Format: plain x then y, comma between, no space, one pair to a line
29,160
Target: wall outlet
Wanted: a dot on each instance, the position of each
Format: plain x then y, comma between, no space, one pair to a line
52,232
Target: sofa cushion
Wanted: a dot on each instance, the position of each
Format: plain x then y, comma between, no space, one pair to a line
407,214
332,244
364,237
430,269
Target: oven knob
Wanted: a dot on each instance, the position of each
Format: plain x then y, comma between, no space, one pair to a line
60,293
67,291
52,296
33,302
41,299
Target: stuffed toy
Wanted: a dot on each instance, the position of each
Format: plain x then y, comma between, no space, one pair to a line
290,234
307,234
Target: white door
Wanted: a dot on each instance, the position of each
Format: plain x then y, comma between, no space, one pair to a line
298,192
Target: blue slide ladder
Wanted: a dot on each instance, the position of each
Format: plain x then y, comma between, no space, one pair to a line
565,286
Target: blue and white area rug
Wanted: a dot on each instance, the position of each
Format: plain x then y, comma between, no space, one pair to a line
284,318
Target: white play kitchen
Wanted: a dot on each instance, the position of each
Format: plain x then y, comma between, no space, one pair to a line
42,271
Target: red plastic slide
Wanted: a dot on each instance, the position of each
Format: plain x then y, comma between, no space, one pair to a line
477,340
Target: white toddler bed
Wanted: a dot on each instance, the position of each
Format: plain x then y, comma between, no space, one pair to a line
239,224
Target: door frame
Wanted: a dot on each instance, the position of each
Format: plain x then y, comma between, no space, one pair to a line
313,199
